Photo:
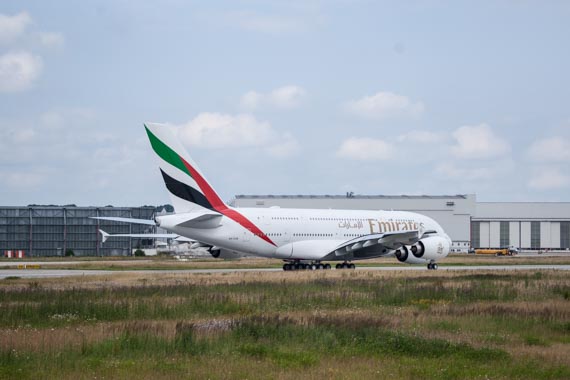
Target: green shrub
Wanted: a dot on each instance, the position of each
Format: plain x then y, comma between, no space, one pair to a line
139,253
69,252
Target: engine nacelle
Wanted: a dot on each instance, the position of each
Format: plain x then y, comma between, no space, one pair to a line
431,248
404,256
222,253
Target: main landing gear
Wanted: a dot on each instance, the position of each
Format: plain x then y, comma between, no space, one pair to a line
345,265
297,265
432,266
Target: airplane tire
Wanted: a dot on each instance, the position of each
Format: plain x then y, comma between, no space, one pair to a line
314,267
434,266
351,266
338,266
327,266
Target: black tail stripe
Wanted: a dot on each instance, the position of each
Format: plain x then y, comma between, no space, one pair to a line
181,190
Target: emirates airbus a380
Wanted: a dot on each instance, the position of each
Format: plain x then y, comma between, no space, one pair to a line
302,238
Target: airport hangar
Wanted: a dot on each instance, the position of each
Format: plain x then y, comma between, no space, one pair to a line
53,230
56,230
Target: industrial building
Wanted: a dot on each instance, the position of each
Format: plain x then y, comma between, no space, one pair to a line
55,230
525,225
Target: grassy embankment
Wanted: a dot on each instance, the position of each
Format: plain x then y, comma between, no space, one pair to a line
334,324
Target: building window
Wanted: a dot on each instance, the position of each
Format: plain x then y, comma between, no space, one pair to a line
475,234
535,235
505,232
565,235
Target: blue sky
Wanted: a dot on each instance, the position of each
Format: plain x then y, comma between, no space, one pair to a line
286,97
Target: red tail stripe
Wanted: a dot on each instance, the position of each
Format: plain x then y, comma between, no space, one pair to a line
221,207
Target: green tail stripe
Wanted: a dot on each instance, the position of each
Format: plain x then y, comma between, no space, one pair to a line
166,153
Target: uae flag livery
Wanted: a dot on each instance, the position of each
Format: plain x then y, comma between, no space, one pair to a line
191,189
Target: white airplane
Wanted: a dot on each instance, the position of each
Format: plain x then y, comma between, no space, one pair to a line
302,238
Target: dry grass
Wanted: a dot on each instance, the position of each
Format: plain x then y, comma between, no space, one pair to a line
206,279
525,314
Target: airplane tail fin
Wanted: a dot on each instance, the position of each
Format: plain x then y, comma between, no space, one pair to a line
187,187
104,236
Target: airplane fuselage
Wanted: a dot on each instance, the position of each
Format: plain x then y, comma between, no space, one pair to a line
303,234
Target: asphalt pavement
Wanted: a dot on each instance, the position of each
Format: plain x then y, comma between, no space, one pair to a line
46,273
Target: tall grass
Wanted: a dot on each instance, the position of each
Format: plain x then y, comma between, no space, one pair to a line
38,306
280,343
427,326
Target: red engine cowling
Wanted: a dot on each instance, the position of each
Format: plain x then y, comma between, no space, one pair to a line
431,248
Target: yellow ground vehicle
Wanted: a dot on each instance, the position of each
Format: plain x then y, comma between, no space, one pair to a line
509,251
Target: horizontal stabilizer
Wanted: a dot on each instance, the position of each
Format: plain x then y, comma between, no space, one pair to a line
199,219
125,220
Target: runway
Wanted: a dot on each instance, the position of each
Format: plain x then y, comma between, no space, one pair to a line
47,273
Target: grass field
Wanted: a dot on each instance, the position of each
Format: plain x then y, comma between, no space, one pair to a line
288,325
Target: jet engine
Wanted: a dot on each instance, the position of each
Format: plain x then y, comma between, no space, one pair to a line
431,248
404,256
222,253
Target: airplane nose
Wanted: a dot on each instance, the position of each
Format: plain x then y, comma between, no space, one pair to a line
157,220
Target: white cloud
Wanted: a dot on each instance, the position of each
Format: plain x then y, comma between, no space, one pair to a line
554,149
60,118
289,96
548,178
287,146
18,71
52,119
12,27
23,135
364,149
451,171
385,105
215,130
421,137
22,180
265,23
51,40
478,142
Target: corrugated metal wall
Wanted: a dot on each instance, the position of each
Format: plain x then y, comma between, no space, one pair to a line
50,231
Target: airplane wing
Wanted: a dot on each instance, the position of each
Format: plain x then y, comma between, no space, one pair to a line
374,245
391,240
106,236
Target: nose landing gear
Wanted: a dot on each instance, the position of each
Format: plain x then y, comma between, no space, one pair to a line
432,266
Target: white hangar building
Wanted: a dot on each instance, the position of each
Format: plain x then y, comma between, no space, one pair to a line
526,225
